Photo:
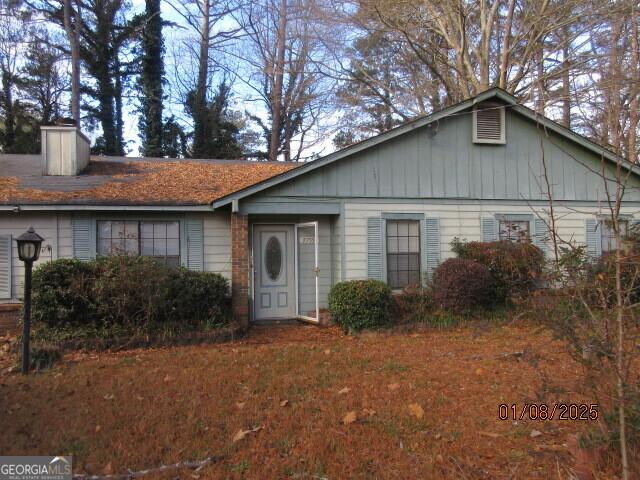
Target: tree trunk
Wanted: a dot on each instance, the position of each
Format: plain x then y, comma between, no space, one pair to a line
278,73
504,62
119,122
151,81
634,86
9,120
73,34
566,87
200,96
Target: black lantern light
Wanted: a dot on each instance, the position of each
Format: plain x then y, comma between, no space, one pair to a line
29,244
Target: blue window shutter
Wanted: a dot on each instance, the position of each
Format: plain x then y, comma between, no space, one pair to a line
374,248
541,235
432,244
5,266
593,239
195,244
82,248
489,229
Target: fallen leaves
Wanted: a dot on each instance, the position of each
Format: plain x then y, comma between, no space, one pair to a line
416,410
284,403
393,386
350,417
243,433
167,181
344,391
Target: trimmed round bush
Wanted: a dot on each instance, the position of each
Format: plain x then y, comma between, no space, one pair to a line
360,304
461,285
515,267
200,297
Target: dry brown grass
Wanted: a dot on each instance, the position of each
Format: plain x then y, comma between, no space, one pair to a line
139,409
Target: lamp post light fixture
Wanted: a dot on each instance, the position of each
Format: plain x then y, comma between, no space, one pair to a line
29,244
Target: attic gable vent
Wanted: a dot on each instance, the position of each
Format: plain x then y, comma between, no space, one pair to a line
488,124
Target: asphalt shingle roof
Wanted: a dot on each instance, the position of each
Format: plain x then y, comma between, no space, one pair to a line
131,181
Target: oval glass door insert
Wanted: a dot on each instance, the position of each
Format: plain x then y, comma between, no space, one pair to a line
273,258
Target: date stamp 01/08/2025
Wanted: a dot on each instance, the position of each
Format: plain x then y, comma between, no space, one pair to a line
545,411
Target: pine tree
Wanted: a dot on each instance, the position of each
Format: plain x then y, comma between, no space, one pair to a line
220,135
151,77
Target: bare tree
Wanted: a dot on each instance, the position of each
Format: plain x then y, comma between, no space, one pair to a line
283,57
72,27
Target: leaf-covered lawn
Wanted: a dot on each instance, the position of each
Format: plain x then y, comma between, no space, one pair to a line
303,402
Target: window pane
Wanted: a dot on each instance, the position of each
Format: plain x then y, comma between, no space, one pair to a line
413,229
392,229
104,229
104,246
146,230
403,278
173,262
392,279
160,230
131,229
173,230
131,246
173,246
392,245
403,262
117,229
403,244
146,246
413,261
392,263
414,244
414,277
403,229
160,246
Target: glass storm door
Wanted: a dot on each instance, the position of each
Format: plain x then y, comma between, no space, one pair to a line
274,276
307,271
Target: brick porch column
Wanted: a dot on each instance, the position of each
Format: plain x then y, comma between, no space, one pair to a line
240,269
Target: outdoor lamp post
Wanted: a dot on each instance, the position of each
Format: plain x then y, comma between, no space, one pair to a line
29,244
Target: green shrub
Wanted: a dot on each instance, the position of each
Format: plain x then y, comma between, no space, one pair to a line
200,297
461,285
130,290
415,304
516,268
359,304
125,295
61,293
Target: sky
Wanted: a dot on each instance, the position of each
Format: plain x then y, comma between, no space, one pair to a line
243,99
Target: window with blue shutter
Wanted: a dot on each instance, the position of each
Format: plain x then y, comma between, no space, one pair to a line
432,244
82,238
593,237
195,244
374,248
489,229
542,235
5,266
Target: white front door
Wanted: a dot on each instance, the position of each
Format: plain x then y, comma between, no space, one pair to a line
273,272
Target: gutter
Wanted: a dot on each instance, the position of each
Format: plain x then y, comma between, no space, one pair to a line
155,208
